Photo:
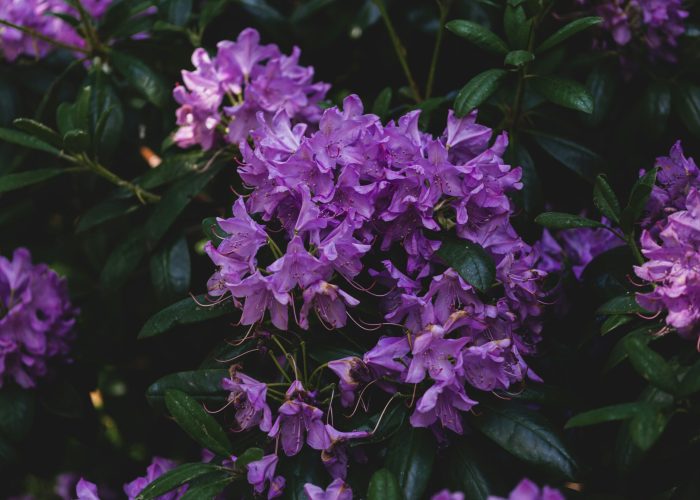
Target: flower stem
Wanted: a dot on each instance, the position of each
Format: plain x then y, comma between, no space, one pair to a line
143,195
279,367
400,50
45,38
444,6
635,249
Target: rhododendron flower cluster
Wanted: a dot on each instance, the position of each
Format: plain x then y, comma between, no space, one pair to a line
527,490
41,16
657,24
221,97
36,319
321,203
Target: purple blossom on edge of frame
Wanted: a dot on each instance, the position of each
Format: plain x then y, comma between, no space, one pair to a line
36,319
527,490
157,468
222,97
85,490
261,475
248,397
448,495
673,265
337,490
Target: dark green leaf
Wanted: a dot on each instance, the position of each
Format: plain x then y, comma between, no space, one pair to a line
410,458
64,117
299,470
618,353
208,486
621,411
250,455
196,422
527,435
477,90
656,107
178,12
518,58
384,486
174,478
471,261
309,8
558,220
690,384
63,399
566,93
141,77
77,141
184,312
517,26
26,140
651,365
624,304
638,200
686,100
202,385
613,322
478,35
16,413
104,212
170,271
106,116
568,31
575,157
382,103
531,193
601,84
465,474
11,182
605,199
647,426
40,131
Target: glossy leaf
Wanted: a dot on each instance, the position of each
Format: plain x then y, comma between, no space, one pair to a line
577,158
619,353
568,31
410,458
566,93
605,199
471,261
518,58
647,426
601,84
656,107
637,200
141,77
558,220
478,35
686,103
175,478
202,385
11,182
16,412
27,141
184,312
196,422
382,103
651,365
477,90
465,473
624,304
104,212
170,270
77,141
622,411
384,486
613,322
517,26
40,131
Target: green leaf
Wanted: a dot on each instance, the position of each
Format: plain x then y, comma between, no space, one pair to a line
77,141
624,304
601,84
656,107
299,470
517,26
651,365
170,270
477,90
517,155
690,383
559,220
465,474
410,458
382,103
178,12
637,200
647,426
208,486
605,199
106,116
384,486
686,103
518,58
64,117
471,261
577,158
566,93
141,77
308,8
527,435
16,413
176,477
200,425
248,456
26,140
104,212
478,35
568,31
185,312
202,385
11,182
613,322
621,411
618,353
40,131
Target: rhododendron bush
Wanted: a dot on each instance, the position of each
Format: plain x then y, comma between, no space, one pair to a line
333,250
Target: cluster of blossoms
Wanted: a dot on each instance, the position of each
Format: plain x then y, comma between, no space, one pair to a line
41,16
656,24
670,241
354,187
527,490
36,319
222,96
575,248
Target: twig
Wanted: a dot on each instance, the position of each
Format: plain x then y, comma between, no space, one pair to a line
45,38
444,6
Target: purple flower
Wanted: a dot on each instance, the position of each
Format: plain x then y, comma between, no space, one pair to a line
299,421
248,397
352,372
442,402
85,490
527,490
337,490
261,473
261,294
329,302
335,455
244,235
251,79
674,268
157,468
434,355
448,495
36,319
